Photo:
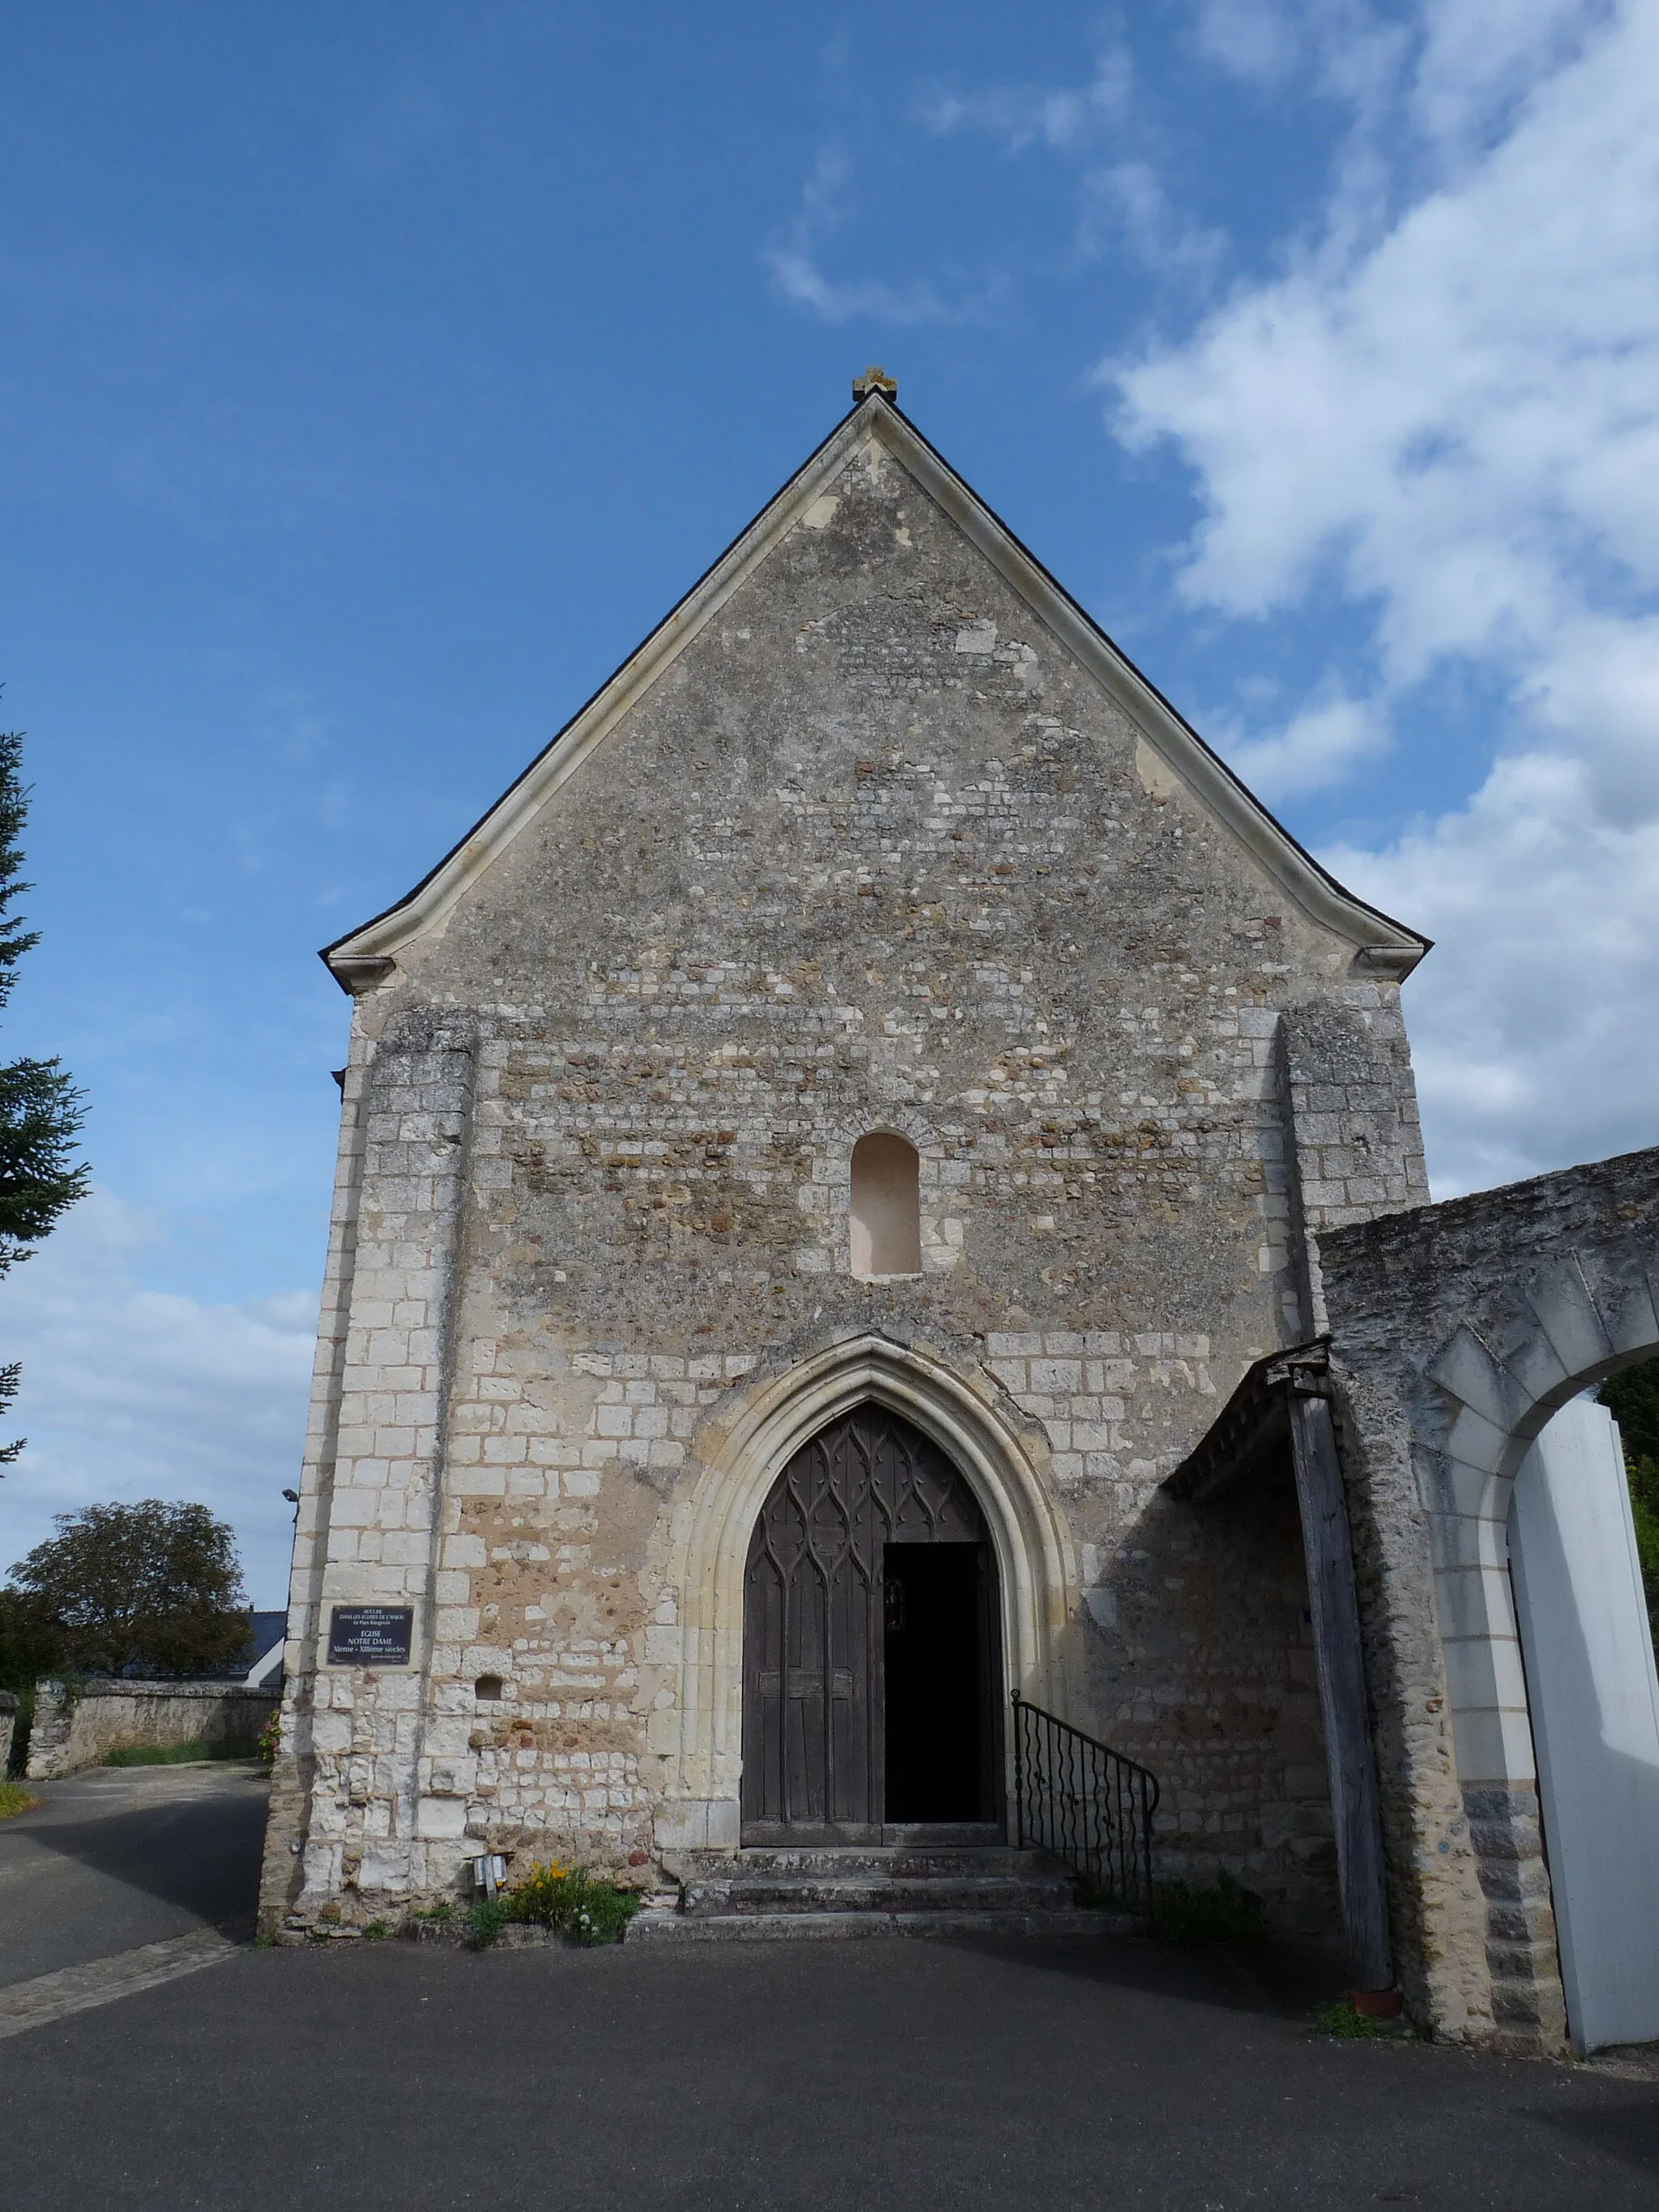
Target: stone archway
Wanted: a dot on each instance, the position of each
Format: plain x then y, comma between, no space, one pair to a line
1458,1331
1004,1464
1500,1387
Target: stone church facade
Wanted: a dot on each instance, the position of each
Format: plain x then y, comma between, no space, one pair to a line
879,837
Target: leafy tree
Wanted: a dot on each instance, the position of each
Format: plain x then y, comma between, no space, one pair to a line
1632,1399
31,1648
40,1109
30,1643
146,1589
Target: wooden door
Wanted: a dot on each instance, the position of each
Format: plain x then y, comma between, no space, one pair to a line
814,1766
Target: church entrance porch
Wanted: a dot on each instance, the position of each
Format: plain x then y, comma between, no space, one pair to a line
872,1689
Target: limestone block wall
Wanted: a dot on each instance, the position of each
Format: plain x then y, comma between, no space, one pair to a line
1351,1123
876,852
8,1727
353,1759
563,1473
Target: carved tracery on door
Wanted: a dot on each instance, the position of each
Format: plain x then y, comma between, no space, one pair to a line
832,1592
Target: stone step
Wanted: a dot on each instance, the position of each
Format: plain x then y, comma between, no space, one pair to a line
657,1926
801,1894
870,1861
847,1890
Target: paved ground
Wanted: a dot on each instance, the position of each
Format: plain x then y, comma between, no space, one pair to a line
890,2073
911,2074
125,1856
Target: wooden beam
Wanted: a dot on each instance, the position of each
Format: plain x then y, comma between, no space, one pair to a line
1333,1602
1249,1433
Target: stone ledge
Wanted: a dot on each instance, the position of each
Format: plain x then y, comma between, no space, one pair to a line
671,1927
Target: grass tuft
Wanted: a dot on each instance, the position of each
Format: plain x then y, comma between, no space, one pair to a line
1342,2017
486,1921
1226,1914
16,1797
171,1754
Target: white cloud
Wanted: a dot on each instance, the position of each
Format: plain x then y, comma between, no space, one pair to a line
1127,204
1316,748
1348,48
1122,201
1063,118
1535,1021
1259,41
1455,420
133,1393
1460,415
796,262
1478,56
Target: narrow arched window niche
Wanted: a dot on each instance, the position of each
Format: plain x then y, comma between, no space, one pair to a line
886,1236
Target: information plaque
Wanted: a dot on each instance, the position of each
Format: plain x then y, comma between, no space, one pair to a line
370,1635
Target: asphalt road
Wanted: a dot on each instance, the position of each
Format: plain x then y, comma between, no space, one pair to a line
889,2073
127,1855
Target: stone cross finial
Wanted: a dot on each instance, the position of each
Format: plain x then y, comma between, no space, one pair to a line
875,380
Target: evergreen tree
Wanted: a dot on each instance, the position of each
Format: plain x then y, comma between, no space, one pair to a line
1632,1399
40,1109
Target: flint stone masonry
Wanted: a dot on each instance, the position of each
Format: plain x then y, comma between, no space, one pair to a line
875,834
1458,1330
7,1725
77,1725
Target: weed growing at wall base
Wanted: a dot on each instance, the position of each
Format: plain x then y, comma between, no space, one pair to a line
1226,1914
486,1921
15,1798
1343,2017
171,1754
585,1907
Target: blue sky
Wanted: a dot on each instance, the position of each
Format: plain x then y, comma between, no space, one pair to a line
375,376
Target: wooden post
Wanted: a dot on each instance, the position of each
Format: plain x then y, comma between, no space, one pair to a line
1333,1603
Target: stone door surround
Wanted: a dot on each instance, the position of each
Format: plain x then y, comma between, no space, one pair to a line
998,1451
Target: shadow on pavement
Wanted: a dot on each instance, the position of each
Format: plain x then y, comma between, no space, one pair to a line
200,1854
1281,1977
1629,2131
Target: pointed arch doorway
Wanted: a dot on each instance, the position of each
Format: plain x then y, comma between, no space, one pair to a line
872,1677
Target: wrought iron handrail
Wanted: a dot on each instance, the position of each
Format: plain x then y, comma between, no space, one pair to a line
1086,1804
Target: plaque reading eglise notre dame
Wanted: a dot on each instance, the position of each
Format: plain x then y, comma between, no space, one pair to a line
370,1635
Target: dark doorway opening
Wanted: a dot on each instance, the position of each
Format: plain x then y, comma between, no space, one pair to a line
934,1658
872,1695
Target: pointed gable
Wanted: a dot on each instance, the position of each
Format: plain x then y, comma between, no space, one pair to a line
1170,757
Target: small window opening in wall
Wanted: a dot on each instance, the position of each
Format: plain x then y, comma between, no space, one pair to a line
488,1687
886,1206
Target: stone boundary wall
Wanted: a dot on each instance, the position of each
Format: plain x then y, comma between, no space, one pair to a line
77,1727
8,1722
